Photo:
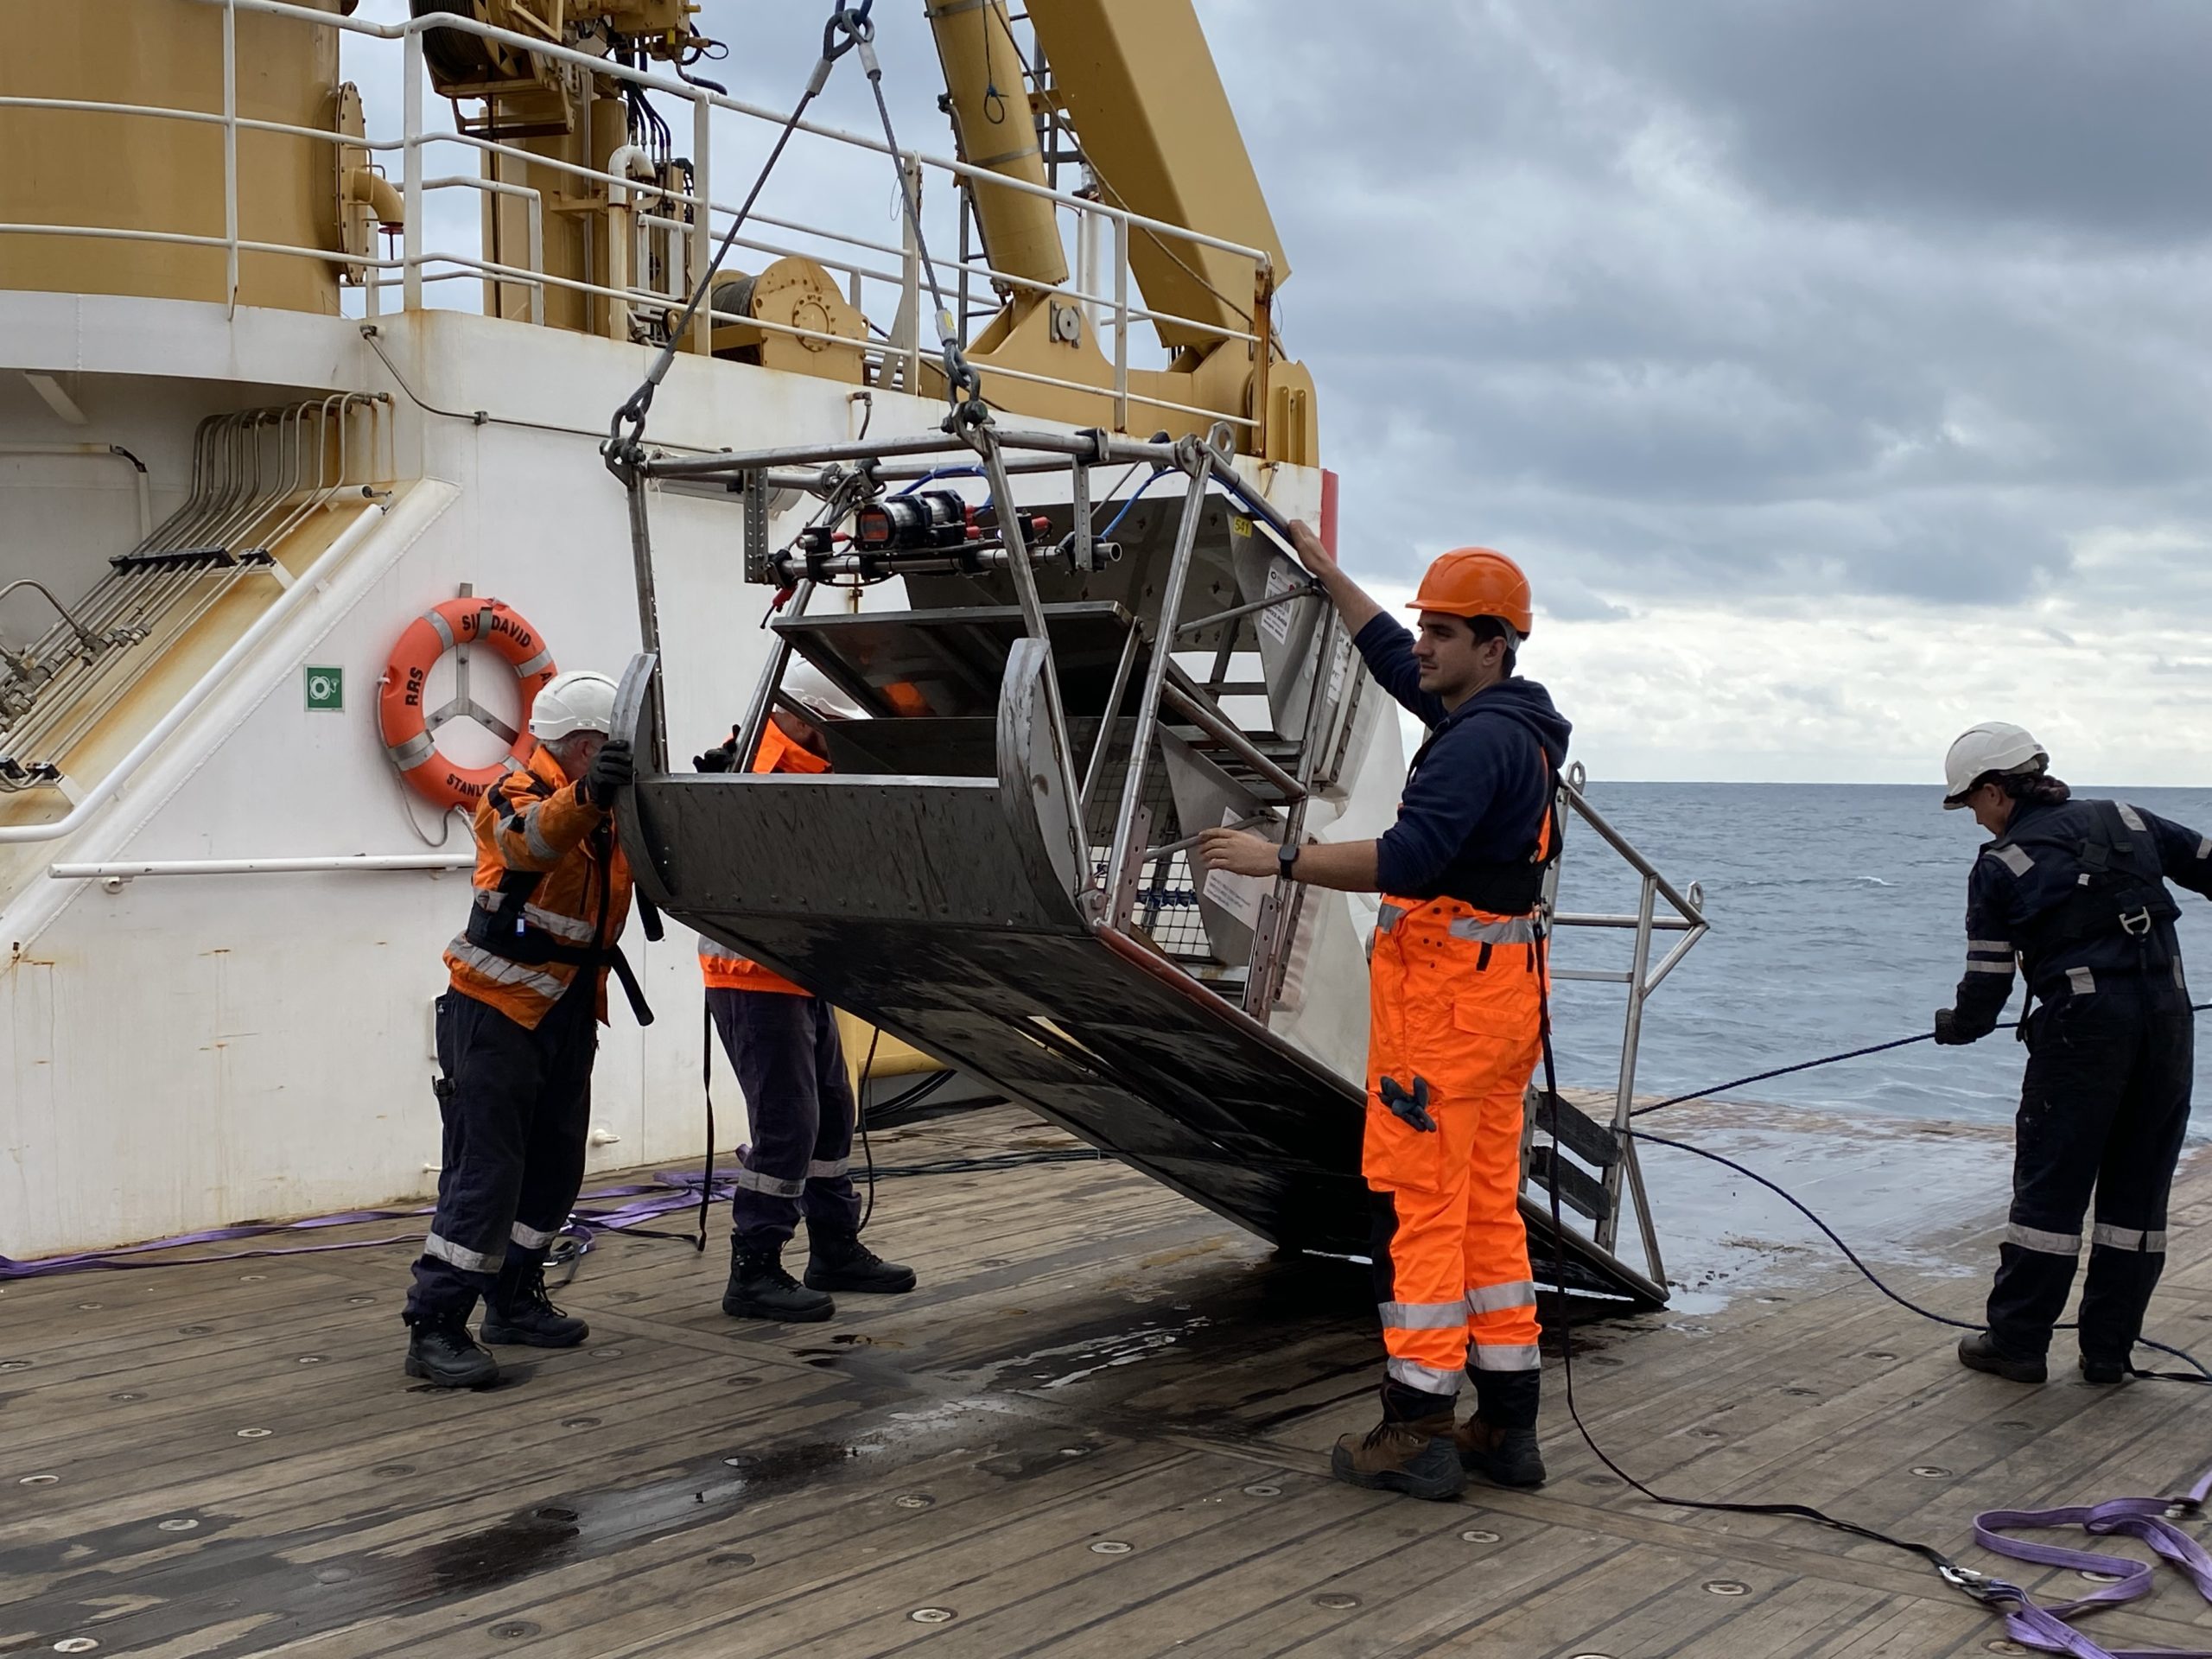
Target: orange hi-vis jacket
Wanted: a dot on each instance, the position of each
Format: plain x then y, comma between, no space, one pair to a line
728,973
1455,998
552,893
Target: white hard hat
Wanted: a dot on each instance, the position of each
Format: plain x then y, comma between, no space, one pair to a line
820,695
1993,746
579,700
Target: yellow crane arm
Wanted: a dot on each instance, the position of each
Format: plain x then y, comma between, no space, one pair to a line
1140,83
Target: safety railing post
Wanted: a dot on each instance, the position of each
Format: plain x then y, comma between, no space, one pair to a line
1033,617
703,223
1122,326
1631,1033
411,235
231,157
1155,680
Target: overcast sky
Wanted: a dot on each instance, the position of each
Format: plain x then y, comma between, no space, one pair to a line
1840,372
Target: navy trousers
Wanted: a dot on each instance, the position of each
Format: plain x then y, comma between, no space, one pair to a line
516,1106
798,1103
2103,1106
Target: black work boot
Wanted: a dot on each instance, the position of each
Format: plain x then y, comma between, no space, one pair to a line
1980,1352
520,1312
1404,1452
848,1264
2105,1372
441,1353
761,1289
1499,1441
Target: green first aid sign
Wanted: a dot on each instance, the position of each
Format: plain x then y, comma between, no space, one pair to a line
326,690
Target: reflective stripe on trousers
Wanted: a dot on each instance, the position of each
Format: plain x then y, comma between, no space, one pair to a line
1453,1003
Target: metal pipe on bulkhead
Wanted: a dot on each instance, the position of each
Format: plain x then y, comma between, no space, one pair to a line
267,622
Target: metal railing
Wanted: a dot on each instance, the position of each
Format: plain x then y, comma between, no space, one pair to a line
1621,1175
686,220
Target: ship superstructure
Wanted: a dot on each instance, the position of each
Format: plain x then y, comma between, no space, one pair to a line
244,446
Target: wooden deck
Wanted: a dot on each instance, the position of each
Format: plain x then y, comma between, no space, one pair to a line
1099,1429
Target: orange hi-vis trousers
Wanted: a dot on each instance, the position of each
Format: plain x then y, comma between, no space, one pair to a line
1453,1038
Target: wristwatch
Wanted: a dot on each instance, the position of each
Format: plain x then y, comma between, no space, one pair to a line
1287,860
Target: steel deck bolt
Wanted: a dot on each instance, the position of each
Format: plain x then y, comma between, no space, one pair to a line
1336,1600
1110,1547
932,1615
1726,1587
1478,1535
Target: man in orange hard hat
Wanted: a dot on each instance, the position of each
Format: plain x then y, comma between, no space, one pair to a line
1455,1018
782,1042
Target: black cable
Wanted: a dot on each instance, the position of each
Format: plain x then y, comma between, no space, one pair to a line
1948,1569
706,1089
860,1119
374,335
1874,1279
906,1098
1828,1060
1784,1071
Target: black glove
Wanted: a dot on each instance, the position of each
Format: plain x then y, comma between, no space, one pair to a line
610,771
721,758
1948,1034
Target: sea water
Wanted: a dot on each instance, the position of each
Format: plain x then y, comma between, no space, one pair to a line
1838,915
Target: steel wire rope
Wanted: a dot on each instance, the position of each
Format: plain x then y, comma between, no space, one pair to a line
964,386
848,27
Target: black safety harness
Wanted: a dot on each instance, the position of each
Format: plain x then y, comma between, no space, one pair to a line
504,928
2120,891
1504,887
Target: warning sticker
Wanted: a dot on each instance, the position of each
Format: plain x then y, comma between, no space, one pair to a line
1240,895
1274,621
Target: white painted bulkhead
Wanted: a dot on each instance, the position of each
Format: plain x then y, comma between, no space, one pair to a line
182,1052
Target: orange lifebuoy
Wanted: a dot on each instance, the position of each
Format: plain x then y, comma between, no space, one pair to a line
405,723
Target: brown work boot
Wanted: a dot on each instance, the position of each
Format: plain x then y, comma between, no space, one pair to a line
1504,1456
1403,1453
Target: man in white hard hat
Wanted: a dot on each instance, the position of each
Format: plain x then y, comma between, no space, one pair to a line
516,1033
2074,890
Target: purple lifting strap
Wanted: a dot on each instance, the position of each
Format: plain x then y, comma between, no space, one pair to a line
2149,1519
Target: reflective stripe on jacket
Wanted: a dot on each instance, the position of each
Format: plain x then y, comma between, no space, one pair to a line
531,823
719,969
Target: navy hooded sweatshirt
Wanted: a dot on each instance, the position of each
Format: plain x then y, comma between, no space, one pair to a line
1478,792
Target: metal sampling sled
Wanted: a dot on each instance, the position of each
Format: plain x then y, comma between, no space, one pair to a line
997,869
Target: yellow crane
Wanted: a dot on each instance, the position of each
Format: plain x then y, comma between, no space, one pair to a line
1126,91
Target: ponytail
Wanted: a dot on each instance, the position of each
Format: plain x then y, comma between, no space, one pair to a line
2037,788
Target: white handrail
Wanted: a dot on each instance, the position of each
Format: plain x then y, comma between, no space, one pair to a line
267,622
420,265
415,28
133,869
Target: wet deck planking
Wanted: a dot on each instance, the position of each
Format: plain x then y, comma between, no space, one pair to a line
1099,1430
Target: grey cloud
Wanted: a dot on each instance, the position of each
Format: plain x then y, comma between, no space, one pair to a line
1643,289
2087,118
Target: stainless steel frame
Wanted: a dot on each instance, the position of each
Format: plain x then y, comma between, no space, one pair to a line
1641,980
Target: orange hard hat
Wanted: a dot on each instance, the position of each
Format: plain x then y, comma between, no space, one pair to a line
1477,581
